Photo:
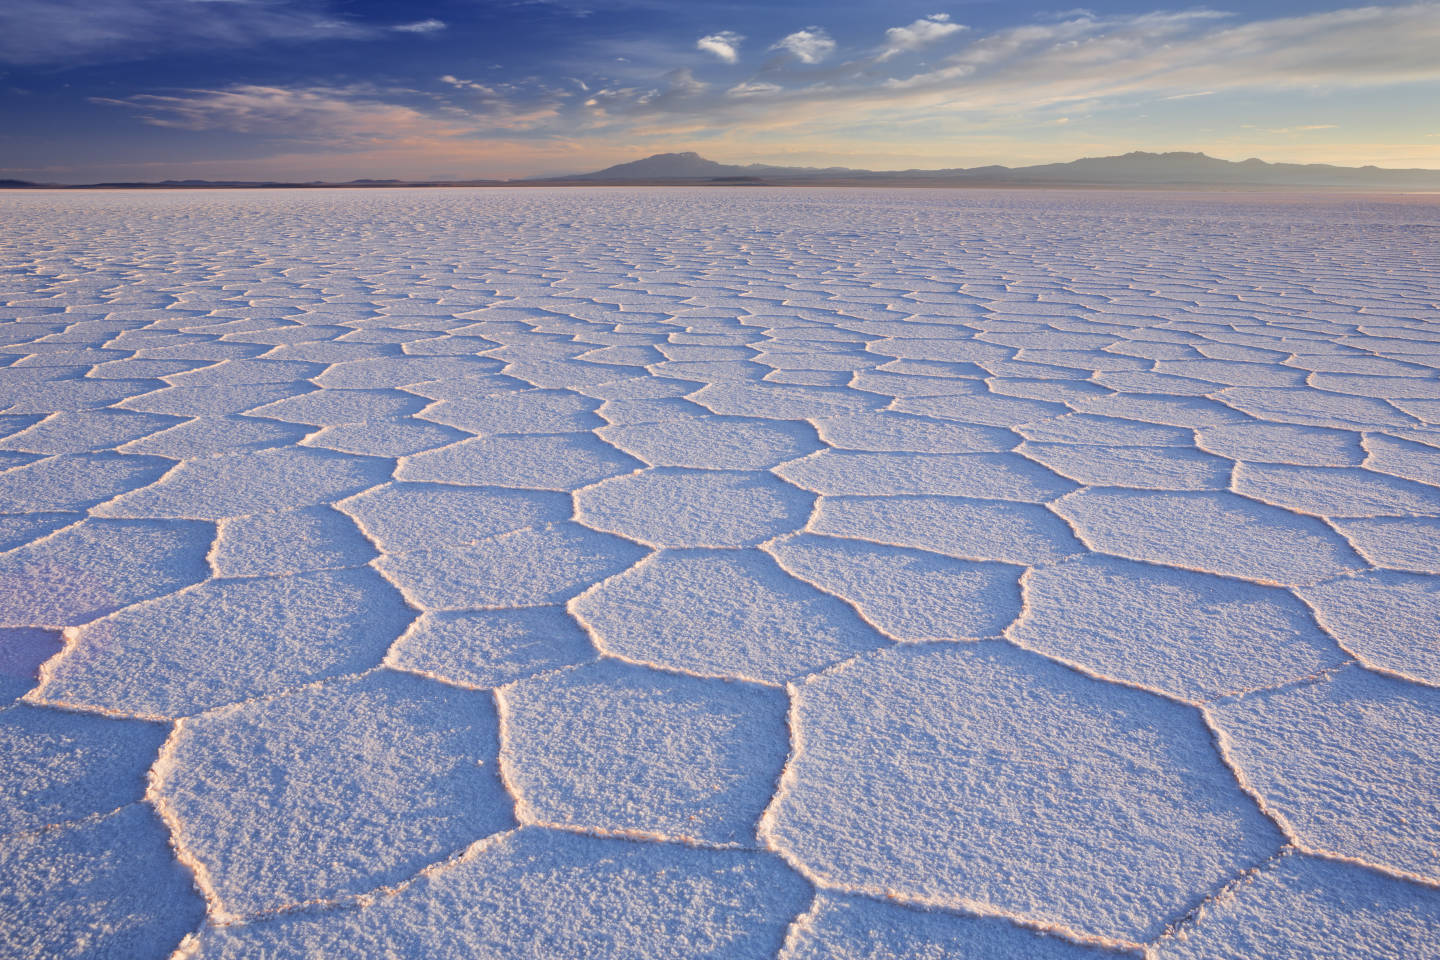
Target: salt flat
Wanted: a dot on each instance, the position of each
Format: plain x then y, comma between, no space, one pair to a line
723,573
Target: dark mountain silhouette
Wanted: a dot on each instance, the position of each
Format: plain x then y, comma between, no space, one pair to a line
1137,169
1131,169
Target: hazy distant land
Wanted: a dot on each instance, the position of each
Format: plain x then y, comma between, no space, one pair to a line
1135,169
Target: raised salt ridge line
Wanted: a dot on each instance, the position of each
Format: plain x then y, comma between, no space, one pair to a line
733,574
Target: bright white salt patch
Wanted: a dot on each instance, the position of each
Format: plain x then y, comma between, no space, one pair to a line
1300,908
902,432
97,566
984,409
538,894
1335,491
345,786
777,402
395,438
85,431
1255,442
722,613
530,567
717,443
108,887
668,507
1214,532
380,372
22,651
403,517
332,407
76,481
67,766
294,541
526,411
210,436
1150,468
858,928
1400,543
1390,621
972,529
911,595
210,400
1309,407
1347,763
561,462
228,640
443,449
231,372
238,484
1189,635
488,648
1084,430
984,767
1000,476
1403,458
612,746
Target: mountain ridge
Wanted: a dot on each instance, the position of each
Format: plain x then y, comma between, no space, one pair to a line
1137,168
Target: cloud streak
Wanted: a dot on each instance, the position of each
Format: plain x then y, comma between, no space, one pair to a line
66,31
725,45
1056,73
327,115
921,33
421,26
810,45
76,31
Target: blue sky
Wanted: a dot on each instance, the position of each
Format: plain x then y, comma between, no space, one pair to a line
326,89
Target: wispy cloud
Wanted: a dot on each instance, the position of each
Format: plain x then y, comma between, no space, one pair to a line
332,115
725,45
1043,73
472,85
810,45
67,31
753,88
1303,128
1165,54
921,33
421,26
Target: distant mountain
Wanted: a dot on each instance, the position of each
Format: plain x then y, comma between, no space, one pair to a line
1132,169
1135,169
692,166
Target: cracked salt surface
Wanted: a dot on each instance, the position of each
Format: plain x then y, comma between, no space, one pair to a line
787,574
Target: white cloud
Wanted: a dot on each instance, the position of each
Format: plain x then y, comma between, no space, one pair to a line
470,85
67,31
725,45
753,88
1192,52
333,115
683,83
680,86
921,33
810,45
421,26
1306,128
1034,74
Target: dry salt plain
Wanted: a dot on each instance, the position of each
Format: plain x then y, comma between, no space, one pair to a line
729,573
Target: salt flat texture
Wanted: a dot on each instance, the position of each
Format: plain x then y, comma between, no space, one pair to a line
726,573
